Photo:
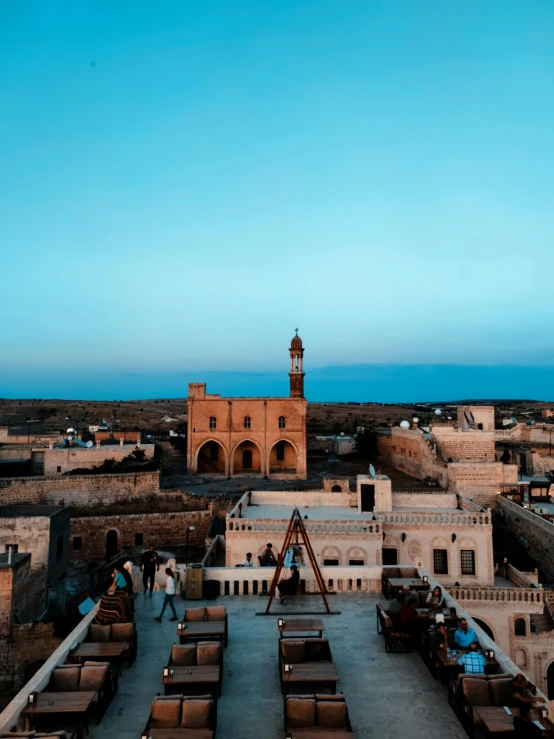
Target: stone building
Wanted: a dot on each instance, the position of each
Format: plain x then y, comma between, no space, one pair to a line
264,437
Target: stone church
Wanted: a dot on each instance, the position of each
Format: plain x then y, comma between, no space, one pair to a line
250,436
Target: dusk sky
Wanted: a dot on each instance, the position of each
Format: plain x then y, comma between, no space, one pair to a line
182,184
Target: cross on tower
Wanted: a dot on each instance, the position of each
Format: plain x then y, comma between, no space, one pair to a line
296,331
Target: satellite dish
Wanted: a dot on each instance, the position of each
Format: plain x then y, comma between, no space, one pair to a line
342,433
404,424
371,470
415,419
438,412
70,438
71,430
90,444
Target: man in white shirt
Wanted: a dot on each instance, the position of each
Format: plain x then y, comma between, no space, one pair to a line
248,561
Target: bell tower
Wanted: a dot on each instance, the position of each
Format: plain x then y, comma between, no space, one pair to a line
296,373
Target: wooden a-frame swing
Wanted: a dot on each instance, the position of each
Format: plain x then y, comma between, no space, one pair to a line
296,535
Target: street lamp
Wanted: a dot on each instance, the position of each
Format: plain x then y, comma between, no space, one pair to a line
189,529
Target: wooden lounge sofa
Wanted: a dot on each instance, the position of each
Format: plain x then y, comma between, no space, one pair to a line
99,677
201,653
210,613
317,714
395,640
182,717
299,651
126,632
469,692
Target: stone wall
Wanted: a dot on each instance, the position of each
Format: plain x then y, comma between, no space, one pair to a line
60,461
464,446
163,529
28,438
536,531
408,450
480,481
77,489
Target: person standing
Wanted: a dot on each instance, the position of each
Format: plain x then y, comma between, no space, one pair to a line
169,596
149,565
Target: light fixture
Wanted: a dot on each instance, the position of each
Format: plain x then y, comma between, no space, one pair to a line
280,623
453,538
288,668
384,536
166,671
403,537
32,697
543,712
180,627
490,653
425,579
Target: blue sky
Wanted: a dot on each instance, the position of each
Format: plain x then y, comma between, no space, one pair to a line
184,183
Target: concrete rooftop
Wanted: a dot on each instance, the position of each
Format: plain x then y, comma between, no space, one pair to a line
323,513
388,695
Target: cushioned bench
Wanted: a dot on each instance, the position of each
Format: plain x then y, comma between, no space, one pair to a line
120,632
179,716
325,714
473,691
210,613
395,640
201,653
91,676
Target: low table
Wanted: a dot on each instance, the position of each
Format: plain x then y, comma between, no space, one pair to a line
200,630
451,661
325,673
317,733
301,626
193,675
429,614
74,702
104,651
497,721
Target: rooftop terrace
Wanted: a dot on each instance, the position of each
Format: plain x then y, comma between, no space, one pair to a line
388,695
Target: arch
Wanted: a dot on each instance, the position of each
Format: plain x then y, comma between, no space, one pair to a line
521,657
331,552
356,552
486,628
520,627
550,681
283,457
336,489
112,543
211,457
247,458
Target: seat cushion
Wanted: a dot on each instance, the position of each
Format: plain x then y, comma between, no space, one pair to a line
196,713
293,651
65,679
326,697
92,678
195,614
500,691
122,632
331,714
99,633
165,714
216,613
476,691
183,655
208,653
408,572
300,712
317,650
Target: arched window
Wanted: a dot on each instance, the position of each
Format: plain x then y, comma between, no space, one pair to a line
281,422
213,422
336,489
520,627
247,422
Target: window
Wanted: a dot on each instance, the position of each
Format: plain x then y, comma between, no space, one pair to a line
356,563
139,540
59,548
520,627
330,563
336,489
440,561
247,422
213,422
280,452
13,547
59,468
77,543
390,556
467,561
480,426
281,422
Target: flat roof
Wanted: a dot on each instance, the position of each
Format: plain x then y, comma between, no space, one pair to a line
29,511
323,513
388,695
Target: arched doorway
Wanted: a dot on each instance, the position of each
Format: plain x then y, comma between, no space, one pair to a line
211,458
111,543
282,458
550,681
486,628
247,459
336,489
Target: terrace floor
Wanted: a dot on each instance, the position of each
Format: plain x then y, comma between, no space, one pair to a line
388,695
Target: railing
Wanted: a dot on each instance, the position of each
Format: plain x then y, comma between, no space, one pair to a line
497,595
276,526
449,519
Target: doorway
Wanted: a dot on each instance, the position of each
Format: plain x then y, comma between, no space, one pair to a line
368,498
111,543
550,681
390,556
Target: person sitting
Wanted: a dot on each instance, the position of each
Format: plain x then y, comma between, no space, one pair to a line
434,598
267,557
248,561
464,636
524,726
395,607
119,581
290,585
409,594
408,616
438,638
473,662
521,692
